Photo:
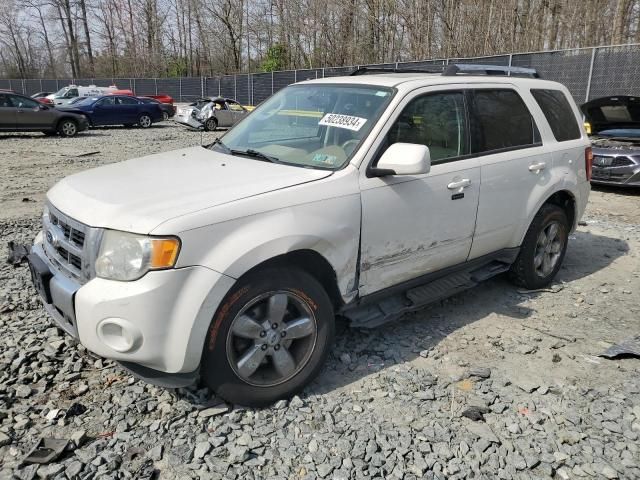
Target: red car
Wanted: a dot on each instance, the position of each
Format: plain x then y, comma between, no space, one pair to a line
162,98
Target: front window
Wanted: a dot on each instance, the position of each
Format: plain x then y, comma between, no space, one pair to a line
314,125
436,120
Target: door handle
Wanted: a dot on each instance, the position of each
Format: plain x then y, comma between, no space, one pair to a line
536,167
464,183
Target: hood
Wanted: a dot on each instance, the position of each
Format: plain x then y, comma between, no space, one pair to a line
611,113
138,195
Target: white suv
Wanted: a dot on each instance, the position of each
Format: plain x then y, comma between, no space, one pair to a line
365,196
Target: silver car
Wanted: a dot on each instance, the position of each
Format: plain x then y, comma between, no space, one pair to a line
614,125
211,113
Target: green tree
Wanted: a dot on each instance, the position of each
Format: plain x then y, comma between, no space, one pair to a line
276,58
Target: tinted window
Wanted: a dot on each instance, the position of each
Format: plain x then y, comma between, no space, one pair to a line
5,102
105,101
558,113
22,102
127,101
500,121
437,121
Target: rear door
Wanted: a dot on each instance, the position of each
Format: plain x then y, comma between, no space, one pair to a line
7,112
128,109
515,165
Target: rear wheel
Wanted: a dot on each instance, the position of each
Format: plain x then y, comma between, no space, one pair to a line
269,337
165,116
543,248
211,124
145,121
68,128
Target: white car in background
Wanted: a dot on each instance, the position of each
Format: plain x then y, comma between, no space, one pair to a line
67,94
366,196
211,113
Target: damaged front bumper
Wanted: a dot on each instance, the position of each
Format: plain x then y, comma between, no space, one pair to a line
155,326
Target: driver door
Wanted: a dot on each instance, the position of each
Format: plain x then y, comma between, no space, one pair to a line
413,225
30,114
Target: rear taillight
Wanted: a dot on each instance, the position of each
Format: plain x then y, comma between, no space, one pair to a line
588,160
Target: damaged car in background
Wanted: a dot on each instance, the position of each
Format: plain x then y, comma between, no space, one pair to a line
211,113
614,126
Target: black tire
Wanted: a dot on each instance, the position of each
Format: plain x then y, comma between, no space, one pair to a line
219,350
524,272
165,116
211,124
67,127
145,121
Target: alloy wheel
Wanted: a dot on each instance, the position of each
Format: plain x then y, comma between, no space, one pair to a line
145,121
272,338
548,249
69,129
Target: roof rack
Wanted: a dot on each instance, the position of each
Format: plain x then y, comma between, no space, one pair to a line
467,68
374,70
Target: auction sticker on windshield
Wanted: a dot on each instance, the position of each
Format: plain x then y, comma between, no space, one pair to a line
342,121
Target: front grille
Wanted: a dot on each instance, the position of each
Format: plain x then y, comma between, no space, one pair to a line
74,235
65,242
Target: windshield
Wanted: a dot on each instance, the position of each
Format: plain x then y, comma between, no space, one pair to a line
314,125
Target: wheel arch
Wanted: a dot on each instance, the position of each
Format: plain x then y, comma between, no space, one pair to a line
565,199
311,262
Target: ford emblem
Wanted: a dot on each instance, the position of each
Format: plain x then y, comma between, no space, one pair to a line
51,238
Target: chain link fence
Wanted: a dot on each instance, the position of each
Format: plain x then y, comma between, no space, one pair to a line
587,72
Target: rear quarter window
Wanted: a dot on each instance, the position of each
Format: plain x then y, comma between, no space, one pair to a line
558,112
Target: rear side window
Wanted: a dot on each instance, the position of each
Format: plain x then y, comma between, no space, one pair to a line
558,112
127,101
500,120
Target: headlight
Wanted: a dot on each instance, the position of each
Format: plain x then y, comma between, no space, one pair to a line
127,256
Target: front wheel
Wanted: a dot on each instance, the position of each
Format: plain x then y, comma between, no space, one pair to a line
543,248
269,337
145,121
68,128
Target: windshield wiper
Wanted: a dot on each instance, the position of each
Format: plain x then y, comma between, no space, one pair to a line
217,141
256,154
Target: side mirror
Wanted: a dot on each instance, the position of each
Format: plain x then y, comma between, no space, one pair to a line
403,159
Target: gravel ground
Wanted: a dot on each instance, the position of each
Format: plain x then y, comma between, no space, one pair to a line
492,383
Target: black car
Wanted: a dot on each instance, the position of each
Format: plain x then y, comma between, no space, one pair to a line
614,126
23,114
168,110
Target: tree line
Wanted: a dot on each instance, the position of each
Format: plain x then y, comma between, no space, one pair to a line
167,38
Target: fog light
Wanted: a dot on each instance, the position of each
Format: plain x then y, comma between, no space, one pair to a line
119,334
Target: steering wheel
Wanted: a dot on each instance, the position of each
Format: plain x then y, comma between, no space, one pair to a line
349,145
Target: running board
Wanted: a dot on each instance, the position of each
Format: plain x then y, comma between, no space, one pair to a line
373,314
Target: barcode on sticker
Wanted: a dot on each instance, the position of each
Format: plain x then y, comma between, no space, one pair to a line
342,121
